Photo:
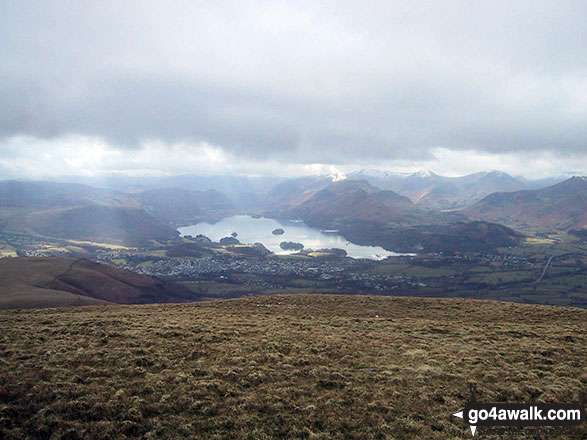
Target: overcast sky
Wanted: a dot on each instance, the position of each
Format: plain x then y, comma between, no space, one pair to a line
292,87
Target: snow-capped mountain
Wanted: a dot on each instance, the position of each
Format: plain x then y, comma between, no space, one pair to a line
432,190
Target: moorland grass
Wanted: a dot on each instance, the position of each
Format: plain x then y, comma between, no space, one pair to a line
303,366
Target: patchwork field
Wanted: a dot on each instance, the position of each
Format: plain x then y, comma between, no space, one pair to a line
304,366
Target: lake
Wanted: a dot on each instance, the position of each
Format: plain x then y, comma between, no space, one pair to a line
260,230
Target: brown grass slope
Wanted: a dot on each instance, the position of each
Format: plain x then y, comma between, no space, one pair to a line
562,206
282,367
55,281
351,200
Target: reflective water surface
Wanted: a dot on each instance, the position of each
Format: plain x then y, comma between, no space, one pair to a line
260,230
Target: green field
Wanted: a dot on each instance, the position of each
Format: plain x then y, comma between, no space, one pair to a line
500,277
413,270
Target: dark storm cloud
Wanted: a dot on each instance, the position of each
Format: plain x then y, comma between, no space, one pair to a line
299,81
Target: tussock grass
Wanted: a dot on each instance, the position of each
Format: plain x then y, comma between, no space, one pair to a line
304,366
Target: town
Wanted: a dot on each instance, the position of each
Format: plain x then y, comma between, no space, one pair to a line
532,273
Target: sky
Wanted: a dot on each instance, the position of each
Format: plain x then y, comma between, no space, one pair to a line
292,88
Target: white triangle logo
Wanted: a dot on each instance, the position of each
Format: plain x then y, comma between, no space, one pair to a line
460,415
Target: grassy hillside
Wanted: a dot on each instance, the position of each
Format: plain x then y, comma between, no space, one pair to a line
562,206
352,200
320,367
475,236
28,282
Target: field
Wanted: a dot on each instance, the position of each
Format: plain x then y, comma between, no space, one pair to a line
558,243
303,366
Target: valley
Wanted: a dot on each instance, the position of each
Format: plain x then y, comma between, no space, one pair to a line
508,274
212,271
399,248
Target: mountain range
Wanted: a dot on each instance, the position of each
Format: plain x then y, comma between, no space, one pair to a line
368,215
81,212
430,190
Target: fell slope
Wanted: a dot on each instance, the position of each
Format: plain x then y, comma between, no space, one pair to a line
55,282
110,224
282,367
353,200
475,236
179,205
562,206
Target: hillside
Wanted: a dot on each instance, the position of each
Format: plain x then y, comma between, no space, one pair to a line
475,236
351,200
101,223
282,367
179,205
81,212
28,194
55,282
110,224
293,192
561,206
367,215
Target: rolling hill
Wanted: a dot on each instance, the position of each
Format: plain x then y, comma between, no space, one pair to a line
561,206
110,224
347,201
55,282
293,192
283,367
474,236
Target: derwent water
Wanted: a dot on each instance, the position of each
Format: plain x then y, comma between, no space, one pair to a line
259,230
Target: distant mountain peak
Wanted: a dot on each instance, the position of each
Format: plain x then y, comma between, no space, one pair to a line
382,174
498,174
425,174
573,182
337,177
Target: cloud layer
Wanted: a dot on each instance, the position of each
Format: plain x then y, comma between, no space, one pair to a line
298,82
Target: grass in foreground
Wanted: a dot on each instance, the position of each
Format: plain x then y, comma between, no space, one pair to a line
319,367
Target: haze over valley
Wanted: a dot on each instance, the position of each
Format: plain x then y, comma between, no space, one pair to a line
497,243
